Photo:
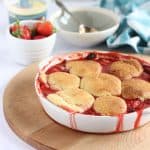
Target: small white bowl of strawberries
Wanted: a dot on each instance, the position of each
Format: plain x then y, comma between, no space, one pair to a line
31,40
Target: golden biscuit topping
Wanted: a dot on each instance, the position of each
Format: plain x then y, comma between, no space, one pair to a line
85,68
104,84
126,69
63,80
76,99
110,105
136,88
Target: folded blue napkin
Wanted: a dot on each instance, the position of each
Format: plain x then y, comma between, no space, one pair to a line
134,29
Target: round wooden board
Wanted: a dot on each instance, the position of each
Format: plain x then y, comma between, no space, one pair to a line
28,120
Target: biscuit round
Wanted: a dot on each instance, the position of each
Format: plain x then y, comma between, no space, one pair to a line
76,100
136,88
126,69
84,68
63,80
104,84
110,105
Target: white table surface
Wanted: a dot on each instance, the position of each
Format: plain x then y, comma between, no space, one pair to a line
8,67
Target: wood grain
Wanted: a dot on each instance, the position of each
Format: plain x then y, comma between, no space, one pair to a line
28,120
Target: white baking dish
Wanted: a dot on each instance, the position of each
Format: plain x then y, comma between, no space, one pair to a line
83,122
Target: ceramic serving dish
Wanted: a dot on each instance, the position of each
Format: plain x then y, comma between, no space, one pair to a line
106,21
86,122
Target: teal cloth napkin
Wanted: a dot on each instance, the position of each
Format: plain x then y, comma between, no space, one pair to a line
134,29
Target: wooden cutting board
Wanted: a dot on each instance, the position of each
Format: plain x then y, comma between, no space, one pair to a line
28,120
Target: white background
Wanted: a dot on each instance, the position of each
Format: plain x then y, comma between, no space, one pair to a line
8,68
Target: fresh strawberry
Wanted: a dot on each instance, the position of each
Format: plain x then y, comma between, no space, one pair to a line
39,31
19,31
25,32
44,28
38,37
37,25
15,29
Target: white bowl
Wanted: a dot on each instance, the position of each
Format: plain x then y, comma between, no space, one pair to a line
103,19
28,51
88,123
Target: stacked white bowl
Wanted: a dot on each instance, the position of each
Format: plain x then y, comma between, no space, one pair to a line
29,51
